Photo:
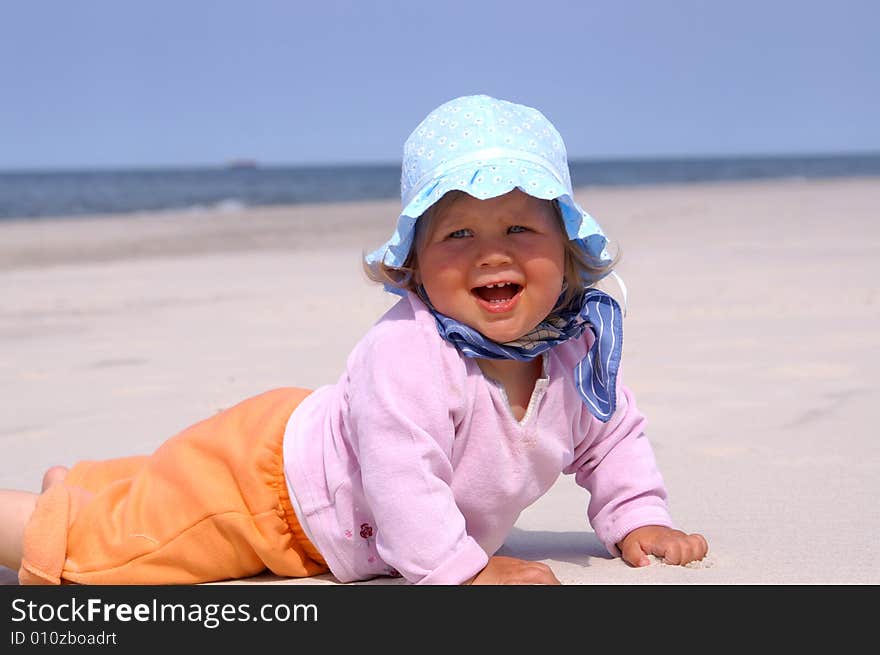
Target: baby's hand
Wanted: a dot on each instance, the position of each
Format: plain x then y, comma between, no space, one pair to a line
674,546
510,570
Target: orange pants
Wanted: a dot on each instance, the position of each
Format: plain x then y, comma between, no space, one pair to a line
210,503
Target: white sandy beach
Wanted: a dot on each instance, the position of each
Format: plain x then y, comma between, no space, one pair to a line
752,342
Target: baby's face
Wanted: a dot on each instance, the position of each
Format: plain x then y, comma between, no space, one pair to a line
496,265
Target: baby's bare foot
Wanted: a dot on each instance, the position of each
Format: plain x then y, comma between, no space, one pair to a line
54,475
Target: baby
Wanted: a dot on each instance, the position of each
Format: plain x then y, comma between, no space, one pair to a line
496,371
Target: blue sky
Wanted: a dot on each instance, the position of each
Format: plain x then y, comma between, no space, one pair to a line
105,84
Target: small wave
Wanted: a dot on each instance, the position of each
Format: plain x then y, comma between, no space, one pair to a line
225,205
230,205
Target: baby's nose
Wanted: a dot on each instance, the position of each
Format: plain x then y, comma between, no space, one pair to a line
493,253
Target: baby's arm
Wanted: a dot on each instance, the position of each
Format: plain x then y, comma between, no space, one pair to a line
627,496
402,397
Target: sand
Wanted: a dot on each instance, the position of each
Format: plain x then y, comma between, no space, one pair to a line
752,341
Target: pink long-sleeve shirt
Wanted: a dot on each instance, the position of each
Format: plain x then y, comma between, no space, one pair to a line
413,462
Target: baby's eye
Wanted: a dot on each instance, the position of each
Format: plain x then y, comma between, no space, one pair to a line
517,228
460,234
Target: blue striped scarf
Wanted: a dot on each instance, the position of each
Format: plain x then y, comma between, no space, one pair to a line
595,376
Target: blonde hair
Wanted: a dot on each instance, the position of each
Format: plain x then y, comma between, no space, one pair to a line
580,274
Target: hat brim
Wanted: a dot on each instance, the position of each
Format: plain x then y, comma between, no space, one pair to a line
489,180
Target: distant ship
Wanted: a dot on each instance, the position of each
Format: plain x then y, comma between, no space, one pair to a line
241,163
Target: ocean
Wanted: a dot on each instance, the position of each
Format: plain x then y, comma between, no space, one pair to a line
33,195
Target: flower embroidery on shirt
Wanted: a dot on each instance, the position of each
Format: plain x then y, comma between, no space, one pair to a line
367,535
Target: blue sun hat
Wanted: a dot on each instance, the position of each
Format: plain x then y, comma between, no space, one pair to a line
485,147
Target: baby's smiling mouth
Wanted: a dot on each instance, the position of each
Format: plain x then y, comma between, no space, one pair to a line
499,292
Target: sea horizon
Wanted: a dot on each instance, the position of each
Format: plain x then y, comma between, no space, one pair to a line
239,183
